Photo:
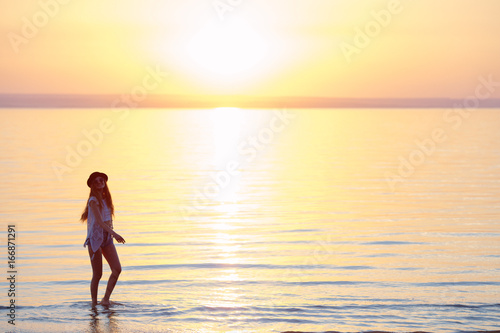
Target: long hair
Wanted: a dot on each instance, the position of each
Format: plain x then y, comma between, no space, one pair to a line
100,195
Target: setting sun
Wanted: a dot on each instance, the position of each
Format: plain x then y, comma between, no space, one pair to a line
227,51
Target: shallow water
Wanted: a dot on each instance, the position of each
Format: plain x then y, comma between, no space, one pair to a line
340,220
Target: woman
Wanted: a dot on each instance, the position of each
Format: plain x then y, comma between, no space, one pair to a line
100,235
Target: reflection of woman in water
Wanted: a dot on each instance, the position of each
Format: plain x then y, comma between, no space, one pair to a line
100,234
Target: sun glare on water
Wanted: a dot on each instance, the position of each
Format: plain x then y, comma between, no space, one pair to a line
227,124
226,127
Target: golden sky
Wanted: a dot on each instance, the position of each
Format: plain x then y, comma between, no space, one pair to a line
330,48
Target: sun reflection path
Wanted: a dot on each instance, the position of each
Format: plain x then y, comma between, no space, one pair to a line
227,125
227,247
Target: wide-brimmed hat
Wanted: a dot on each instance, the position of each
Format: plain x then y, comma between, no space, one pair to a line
94,175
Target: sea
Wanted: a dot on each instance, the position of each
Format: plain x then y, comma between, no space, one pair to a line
254,220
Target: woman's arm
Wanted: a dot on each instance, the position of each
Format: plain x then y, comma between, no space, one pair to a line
98,219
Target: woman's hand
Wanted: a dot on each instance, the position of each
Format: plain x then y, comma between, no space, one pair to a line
119,238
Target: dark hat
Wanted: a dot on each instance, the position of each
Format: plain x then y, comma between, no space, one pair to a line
94,175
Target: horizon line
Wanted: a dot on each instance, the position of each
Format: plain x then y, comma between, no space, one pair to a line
23,100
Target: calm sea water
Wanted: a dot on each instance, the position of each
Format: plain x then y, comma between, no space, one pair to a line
257,220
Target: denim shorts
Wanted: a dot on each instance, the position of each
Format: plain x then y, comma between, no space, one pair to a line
107,239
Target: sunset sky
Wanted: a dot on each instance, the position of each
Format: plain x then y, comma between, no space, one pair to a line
329,48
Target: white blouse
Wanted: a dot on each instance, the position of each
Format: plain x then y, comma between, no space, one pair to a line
95,233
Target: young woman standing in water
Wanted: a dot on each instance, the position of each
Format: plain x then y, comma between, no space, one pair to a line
98,214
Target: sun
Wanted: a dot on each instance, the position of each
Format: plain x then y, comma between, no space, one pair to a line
227,51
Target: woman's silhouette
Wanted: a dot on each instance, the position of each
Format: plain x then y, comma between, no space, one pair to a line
98,214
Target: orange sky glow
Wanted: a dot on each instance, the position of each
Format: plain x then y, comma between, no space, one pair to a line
328,48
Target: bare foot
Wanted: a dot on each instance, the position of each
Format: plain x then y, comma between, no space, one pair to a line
94,304
105,302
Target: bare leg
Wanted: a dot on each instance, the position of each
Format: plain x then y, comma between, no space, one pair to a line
111,256
96,273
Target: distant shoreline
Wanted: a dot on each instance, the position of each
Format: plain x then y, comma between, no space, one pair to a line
202,101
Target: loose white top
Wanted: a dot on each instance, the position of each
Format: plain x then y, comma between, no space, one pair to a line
95,233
